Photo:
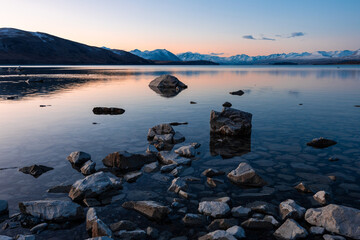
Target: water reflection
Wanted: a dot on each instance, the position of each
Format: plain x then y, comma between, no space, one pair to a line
167,92
228,146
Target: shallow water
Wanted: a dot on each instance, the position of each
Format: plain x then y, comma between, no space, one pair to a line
277,150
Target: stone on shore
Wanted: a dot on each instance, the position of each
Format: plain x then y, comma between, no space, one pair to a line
108,111
161,129
35,170
255,223
123,225
337,219
333,237
290,209
132,176
214,209
151,209
77,159
167,81
222,224
192,220
125,161
303,187
245,175
290,230
151,167
218,235
240,211
52,210
231,122
237,232
93,186
91,217
321,143
322,197
100,229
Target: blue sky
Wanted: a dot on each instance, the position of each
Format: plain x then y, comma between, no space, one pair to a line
228,26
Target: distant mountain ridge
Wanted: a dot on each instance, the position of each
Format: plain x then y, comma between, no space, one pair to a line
156,55
23,47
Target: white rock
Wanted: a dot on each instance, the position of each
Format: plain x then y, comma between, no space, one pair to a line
237,232
214,209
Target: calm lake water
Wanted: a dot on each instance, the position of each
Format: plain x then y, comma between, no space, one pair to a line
277,150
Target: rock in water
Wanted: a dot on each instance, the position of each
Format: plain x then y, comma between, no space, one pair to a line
186,151
125,161
167,81
321,143
239,93
245,175
151,209
230,122
322,197
53,210
214,209
227,104
77,159
88,168
108,111
92,186
290,230
35,170
290,209
160,130
336,218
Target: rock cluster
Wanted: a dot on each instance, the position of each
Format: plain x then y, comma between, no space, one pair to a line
82,162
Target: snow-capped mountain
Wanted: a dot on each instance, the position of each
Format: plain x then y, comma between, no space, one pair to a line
156,55
305,57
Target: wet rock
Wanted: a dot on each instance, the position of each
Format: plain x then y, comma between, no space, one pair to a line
321,143
212,172
222,224
151,167
271,220
123,225
229,146
177,171
168,168
60,189
303,187
239,93
227,104
231,122
237,232
245,175
35,170
218,235
240,211
88,168
25,237
52,210
132,176
152,232
192,102
322,197
336,218
93,186
317,230
78,159
39,228
178,138
333,159
333,237
290,230
125,161
262,207
4,207
254,223
167,81
91,216
290,209
192,220
186,151
131,235
151,209
178,184
161,129
108,111
100,229
214,209
167,157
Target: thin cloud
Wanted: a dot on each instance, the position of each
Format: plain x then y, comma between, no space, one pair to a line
266,38
296,34
249,37
216,54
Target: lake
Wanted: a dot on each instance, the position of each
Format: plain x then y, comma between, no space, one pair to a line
291,105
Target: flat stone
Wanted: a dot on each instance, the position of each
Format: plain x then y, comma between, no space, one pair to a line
239,92
151,209
125,161
337,219
35,170
132,176
321,143
262,207
214,209
108,111
254,223
53,210
290,209
218,235
290,230
39,228
240,211
245,175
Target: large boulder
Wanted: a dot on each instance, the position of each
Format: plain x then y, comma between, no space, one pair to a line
125,161
151,209
336,218
53,210
231,122
93,186
245,175
290,230
166,81
214,209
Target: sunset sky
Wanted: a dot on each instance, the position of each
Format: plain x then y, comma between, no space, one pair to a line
225,27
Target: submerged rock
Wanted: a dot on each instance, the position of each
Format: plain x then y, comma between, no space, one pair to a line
93,186
231,122
239,93
60,189
214,209
35,170
290,230
336,218
229,146
132,176
290,209
186,151
167,81
321,143
178,184
245,175
168,157
52,210
151,209
108,111
125,161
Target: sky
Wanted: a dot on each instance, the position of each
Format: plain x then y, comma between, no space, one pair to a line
222,27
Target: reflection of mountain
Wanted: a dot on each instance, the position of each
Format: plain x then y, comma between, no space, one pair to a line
166,92
227,146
